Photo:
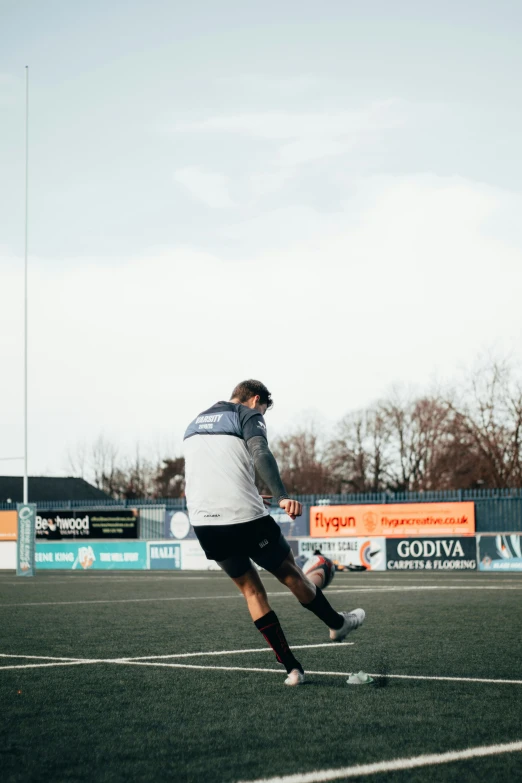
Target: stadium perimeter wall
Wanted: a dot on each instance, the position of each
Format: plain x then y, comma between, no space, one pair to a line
164,525
485,552
496,511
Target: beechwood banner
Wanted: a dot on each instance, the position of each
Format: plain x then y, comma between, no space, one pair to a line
393,519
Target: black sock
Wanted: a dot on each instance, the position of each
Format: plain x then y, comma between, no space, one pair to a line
323,609
269,626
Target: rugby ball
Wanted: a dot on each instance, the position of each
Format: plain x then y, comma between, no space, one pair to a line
322,567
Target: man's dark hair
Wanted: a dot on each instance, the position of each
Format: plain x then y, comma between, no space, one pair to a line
247,389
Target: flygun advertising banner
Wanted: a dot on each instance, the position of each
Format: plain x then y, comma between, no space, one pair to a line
8,525
85,556
394,519
431,554
98,524
500,553
369,552
25,561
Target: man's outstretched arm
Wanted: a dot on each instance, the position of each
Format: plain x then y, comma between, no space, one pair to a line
266,466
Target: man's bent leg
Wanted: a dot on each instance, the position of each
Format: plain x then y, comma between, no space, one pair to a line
290,575
253,592
307,593
266,620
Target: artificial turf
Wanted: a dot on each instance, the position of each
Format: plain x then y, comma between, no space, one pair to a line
109,722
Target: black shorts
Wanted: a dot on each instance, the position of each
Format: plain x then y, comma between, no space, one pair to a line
233,546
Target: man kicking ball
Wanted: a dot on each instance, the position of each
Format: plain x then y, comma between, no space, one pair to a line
222,447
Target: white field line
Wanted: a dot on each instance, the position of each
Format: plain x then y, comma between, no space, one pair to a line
360,770
357,579
42,657
131,662
397,589
234,652
424,677
385,577
123,600
173,655
45,665
406,588
117,579
153,661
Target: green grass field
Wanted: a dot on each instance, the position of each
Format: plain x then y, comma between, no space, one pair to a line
99,718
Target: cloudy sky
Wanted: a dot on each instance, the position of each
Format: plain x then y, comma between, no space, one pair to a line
325,196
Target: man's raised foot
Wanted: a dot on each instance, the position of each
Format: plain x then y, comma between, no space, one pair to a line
352,621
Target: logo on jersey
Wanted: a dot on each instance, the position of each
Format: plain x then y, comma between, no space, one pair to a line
260,424
207,422
263,543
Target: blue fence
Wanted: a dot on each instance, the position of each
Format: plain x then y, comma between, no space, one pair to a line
496,510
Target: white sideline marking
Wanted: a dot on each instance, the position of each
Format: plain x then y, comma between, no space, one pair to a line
118,579
44,665
172,655
360,770
406,588
134,662
424,677
153,661
401,589
197,666
124,600
42,657
234,652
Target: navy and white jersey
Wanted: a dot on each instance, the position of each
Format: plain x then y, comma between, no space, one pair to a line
219,471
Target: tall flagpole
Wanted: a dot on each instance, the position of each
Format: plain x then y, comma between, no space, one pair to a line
26,481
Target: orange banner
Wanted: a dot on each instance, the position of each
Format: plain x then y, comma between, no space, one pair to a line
8,525
401,520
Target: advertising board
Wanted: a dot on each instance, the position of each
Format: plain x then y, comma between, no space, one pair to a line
292,528
193,558
83,555
177,526
8,525
97,524
8,550
393,519
369,552
25,560
431,554
500,553
164,555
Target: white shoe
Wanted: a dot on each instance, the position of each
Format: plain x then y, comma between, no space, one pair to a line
295,677
352,620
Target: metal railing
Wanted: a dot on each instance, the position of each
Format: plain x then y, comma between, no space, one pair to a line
496,510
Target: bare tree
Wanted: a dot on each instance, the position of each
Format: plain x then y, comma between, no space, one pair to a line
77,460
487,427
137,477
461,439
358,455
169,480
302,462
102,464
420,439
